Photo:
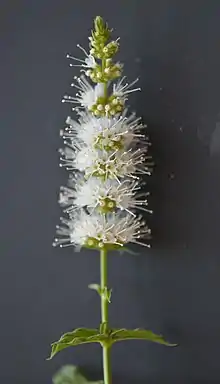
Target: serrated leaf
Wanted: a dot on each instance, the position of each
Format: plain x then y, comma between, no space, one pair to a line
69,374
139,334
77,337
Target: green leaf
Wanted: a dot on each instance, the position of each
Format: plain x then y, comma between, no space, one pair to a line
139,334
69,374
104,336
77,337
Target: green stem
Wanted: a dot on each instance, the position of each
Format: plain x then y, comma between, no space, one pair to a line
105,90
104,302
104,316
105,84
106,365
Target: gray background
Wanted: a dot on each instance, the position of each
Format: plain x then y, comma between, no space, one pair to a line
174,46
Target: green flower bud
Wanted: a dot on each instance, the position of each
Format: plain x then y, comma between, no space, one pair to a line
111,49
115,101
119,108
99,37
107,205
100,26
92,243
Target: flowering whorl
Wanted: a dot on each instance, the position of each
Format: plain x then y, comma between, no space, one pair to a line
105,153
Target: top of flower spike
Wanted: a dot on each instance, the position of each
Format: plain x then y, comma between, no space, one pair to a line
101,33
99,66
100,48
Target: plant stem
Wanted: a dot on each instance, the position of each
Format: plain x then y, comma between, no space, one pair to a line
105,90
106,365
105,83
104,316
104,301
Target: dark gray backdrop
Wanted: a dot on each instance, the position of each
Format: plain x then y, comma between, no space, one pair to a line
174,46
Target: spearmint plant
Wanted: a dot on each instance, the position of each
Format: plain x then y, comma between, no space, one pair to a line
106,154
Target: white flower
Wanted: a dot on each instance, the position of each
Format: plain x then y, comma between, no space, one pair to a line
113,166
116,165
88,62
98,231
105,196
85,160
121,90
106,133
87,94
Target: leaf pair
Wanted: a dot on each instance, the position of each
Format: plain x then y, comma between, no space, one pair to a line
104,337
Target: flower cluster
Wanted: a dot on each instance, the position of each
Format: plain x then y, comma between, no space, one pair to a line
105,152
